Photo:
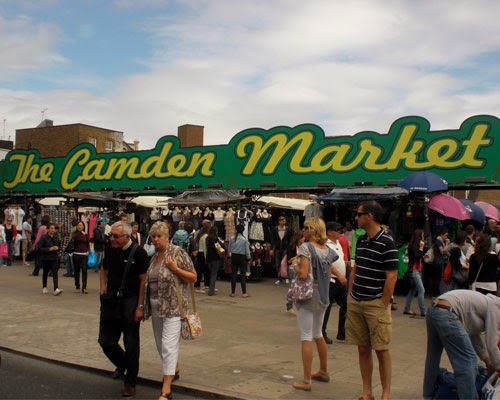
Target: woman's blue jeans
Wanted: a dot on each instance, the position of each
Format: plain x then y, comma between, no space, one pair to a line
419,288
444,330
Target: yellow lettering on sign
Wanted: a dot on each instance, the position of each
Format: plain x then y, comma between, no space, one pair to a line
280,145
84,169
29,171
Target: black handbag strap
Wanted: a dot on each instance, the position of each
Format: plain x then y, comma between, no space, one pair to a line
127,267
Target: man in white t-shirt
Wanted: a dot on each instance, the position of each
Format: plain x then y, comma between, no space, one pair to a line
27,231
338,281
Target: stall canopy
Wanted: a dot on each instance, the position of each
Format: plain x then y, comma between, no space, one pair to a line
364,193
282,202
207,197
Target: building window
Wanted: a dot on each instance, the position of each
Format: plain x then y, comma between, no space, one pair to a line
93,141
109,146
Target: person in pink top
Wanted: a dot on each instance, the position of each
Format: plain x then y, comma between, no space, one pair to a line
42,230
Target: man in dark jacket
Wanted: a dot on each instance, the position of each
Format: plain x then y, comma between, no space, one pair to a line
122,310
280,239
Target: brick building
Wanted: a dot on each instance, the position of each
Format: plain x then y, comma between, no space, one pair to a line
5,147
57,141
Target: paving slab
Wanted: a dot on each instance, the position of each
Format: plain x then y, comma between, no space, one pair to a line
249,349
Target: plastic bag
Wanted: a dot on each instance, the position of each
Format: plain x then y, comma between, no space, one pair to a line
92,260
491,388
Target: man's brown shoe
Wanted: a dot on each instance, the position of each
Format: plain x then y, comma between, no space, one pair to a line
128,391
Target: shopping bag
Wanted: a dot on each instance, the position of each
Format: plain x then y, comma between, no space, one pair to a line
491,388
4,250
92,260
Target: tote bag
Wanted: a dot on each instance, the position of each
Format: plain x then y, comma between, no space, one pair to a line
301,289
4,250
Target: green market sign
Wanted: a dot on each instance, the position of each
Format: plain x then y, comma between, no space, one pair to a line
281,158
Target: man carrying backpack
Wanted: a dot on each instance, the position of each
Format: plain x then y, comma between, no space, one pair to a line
181,237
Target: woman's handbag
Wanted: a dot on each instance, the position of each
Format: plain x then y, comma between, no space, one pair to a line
473,285
190,322
4,250
301,289
149,247
429,255
219,249
461,275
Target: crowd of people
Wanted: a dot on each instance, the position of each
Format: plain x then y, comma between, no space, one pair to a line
354,268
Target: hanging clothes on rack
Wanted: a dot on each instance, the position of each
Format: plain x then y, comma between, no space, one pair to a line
229,224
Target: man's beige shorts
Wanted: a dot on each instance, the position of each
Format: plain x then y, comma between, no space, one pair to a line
369,323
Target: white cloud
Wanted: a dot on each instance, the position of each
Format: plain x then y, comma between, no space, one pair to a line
27,46
232,65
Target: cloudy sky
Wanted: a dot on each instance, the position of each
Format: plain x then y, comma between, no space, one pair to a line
145,67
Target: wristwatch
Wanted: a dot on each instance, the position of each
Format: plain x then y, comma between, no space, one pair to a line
141,307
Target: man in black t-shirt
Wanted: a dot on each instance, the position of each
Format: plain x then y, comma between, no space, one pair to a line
122,312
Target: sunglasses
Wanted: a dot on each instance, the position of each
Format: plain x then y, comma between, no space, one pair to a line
115,236
359,214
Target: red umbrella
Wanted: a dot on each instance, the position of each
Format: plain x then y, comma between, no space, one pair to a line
448,206
489,210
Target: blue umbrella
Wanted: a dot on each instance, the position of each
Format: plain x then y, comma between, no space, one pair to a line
476,212
423,181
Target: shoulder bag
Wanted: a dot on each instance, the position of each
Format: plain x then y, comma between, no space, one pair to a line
190,322
110,302
301,289
149,247
473,285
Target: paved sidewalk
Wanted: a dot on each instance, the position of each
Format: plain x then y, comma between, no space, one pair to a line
250,348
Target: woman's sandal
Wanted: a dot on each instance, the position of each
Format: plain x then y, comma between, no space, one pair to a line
321,376
412,313
302,386
167,396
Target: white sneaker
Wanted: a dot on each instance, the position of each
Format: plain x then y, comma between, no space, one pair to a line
277,282
57,292
287,281
27,264
45,290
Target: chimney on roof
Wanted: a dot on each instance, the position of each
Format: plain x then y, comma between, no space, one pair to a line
46,123
136,145
190,135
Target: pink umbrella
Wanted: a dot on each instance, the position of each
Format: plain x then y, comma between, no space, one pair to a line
490,211
448,206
